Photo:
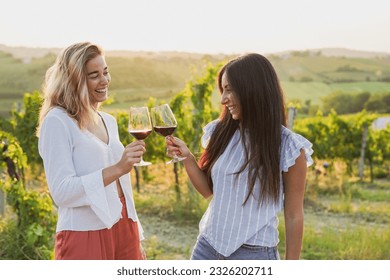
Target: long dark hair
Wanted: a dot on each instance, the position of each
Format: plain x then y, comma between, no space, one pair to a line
257,88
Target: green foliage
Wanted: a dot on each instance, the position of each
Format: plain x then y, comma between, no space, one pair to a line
379,103
340,138
23,126
31,235
347,103
34,229
12,157
195,115
378,152
193,108
203,112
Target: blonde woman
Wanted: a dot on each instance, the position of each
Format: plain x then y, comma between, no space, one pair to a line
86,166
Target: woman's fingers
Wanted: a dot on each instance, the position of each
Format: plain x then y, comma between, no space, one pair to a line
175,146
133,152
136,143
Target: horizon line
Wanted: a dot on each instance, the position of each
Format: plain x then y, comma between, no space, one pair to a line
107,50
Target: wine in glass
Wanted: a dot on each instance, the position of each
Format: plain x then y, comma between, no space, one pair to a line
164,123
140,127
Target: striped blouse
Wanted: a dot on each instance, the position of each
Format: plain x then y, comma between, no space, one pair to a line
227,223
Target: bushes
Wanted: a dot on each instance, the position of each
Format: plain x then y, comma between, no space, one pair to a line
30,235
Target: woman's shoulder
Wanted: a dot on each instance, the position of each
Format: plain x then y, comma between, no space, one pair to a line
58,113
210,126
290,136
286,131
207,131
56,119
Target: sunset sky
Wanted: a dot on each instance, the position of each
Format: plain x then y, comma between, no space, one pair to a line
204,26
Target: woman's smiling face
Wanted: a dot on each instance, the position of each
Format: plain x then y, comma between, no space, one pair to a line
229,99
98,79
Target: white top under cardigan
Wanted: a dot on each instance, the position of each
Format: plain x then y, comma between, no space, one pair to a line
73,161
227,223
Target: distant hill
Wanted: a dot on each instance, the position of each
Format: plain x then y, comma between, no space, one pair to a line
339,52
305,75
351,53
29,52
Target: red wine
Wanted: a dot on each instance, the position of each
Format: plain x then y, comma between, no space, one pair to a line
165,130
140,134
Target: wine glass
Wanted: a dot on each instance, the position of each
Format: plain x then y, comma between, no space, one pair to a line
164,123
140,127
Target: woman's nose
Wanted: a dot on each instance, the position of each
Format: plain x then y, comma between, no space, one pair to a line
105,79
224,99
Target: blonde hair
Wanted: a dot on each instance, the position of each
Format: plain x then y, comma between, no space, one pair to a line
65,84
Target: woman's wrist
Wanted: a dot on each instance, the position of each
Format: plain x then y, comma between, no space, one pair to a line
190,157
119,170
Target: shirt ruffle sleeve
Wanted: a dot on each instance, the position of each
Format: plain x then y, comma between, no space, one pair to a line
291,150
97,198
208,130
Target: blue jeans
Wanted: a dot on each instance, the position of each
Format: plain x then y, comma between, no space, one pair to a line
204,251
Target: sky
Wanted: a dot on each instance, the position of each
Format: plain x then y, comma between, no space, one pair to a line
201,26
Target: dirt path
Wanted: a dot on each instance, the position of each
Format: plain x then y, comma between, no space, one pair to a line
180,237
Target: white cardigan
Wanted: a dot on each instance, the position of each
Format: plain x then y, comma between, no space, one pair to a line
73,161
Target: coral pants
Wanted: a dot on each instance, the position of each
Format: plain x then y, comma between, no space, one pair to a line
121,242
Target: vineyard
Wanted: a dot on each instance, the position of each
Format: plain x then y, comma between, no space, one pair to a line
347,200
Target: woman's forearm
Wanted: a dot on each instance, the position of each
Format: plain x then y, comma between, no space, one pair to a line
294,235
111,174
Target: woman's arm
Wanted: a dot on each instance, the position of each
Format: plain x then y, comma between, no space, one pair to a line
66,187
294,188
197,176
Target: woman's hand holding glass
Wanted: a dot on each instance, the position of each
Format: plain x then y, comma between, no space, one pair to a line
176,147
131,156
